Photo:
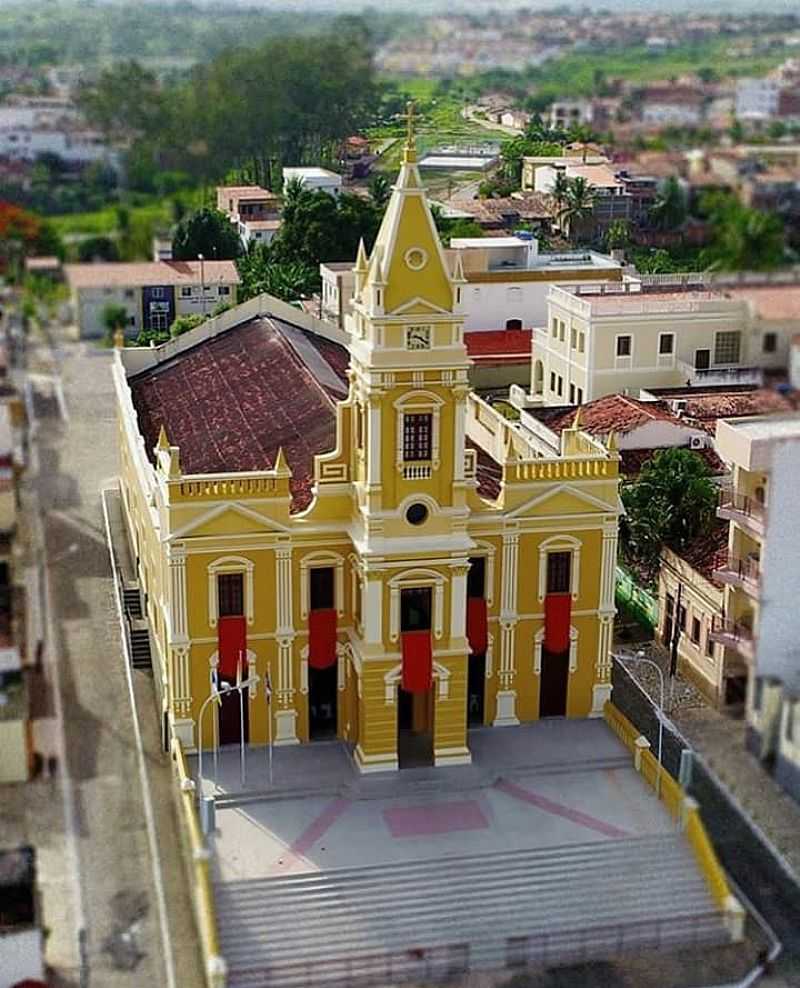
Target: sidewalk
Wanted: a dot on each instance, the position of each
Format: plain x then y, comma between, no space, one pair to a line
719,738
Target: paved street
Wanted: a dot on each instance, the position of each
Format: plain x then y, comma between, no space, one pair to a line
105,835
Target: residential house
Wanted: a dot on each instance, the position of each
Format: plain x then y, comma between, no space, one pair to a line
531,164
314,179
153,293
672,106
531,210
255,212
515,119
338,286
691,594
564,114
611,202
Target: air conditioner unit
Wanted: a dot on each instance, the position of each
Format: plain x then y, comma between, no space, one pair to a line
697,442
679,405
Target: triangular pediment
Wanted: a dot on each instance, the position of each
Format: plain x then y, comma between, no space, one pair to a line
562,499
228,519
418,306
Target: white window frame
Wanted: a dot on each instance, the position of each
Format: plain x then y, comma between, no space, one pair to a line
230,564
666,359
538,647
623,361
407,580
418,403
726,363
560,543
485,550
322,560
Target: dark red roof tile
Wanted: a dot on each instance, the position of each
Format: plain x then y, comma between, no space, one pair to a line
230,402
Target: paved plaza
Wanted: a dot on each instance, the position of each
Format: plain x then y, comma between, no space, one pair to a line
530,787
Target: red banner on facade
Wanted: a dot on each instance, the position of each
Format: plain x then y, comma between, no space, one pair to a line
231,645
477,625
322,638
417,661
557,616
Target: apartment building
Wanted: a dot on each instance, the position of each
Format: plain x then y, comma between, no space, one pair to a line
153,293
255,212
608,338
761,581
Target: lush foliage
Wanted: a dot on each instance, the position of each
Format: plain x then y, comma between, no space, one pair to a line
669,211
744,239
287,280
182,324
577,206
670,503
115,317
208,232
22,234
97,249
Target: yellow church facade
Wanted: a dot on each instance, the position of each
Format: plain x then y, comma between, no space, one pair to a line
345,520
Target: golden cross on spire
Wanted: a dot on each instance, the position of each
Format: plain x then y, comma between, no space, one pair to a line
411,140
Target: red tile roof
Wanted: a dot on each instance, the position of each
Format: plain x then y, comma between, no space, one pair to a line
231,401
617,413
708,552
632,460
499,346
489,473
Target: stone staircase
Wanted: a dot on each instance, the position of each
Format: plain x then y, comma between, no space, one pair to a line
429,920
138,629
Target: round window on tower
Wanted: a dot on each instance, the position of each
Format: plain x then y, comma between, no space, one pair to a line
416,258
416,514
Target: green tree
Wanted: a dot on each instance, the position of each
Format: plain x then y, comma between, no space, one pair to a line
208,232
744,239
182,324
287,280
461,227
115,316
672,501
97,249
380,190
618,235
560,189
577,207
124,100
669,210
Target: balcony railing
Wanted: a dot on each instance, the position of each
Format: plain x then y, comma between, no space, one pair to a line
733,634
696,376
417,471
747,511
740,572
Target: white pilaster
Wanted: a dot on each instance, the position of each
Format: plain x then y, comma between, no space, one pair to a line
458,602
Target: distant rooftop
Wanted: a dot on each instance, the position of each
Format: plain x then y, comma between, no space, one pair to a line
144,273
311,172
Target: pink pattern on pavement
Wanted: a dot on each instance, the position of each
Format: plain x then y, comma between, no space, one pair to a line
438,818
558,809
309,837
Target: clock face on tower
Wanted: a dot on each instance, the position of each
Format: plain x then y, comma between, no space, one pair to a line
418,338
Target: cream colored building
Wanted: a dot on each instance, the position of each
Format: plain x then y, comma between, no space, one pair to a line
605,339
752,445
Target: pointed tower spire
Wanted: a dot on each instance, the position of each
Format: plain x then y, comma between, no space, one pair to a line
410,149
611,442
281,466
360,266
576,422
163,442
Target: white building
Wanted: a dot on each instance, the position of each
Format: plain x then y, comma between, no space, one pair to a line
565,113
75,147
508,280
608,338
757,99
314,179
153,293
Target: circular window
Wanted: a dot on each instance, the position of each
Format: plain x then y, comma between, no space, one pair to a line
416,514
416,258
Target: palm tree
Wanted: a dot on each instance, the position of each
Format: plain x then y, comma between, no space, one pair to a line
560,189
380,190
668,212
578,206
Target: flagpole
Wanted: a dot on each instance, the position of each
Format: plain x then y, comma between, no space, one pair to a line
242,768
268,694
